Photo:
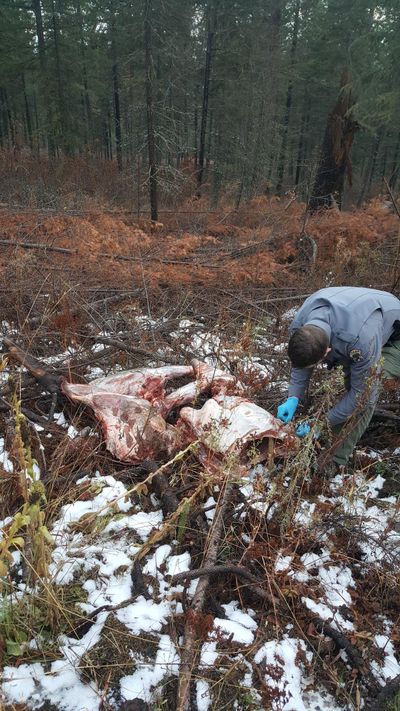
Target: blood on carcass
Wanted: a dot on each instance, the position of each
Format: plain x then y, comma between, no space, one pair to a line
132,408
226,422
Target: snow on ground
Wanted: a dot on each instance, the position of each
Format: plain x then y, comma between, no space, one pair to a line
103,566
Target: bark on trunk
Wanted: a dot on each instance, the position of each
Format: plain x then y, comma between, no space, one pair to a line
301,152
289,101
86,99
27,113
395,168
62,104
195,128
115,85
370,167
9,122
206,95
37,10
151,143
335,159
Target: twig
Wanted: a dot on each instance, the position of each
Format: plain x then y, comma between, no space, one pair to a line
53,406
384,415
122,346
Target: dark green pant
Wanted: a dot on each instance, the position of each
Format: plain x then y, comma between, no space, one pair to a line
391,369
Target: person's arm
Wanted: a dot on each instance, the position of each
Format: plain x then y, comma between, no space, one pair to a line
299,381
362,392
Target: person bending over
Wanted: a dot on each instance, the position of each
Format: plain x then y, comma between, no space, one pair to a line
352,327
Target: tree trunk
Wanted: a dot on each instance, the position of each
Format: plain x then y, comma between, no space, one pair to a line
115,85
289,101
255,153
62,104
3,132
206,94
370,167
10,129
86,99
38,143
37,10
395,168
335,159
151,142
109,135
301,151
272,81
195,128
27,113
217,172
209,145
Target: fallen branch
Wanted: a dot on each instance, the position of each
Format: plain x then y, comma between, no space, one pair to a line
215,570
47,425
190,649
168,498
341,642
239,571
122,346
49,381
63,250
104,255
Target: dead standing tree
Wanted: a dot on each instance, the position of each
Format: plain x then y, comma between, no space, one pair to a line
335,159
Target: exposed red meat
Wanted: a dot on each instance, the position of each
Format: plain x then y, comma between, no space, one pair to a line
147,383
132,407
133,429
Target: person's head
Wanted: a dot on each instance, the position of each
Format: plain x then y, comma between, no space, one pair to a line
307,346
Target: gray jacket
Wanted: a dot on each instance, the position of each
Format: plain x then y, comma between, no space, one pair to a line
358,322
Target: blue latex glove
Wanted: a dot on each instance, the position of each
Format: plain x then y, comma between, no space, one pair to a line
304,428
287,409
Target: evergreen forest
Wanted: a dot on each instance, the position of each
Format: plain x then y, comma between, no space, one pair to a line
242,93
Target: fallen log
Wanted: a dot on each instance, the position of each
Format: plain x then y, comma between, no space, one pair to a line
50,381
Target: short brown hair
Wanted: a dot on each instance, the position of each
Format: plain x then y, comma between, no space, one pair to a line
307,346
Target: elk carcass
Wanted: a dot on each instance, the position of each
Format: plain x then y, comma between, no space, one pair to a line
132,408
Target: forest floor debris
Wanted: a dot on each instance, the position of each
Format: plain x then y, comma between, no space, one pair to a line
298,576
